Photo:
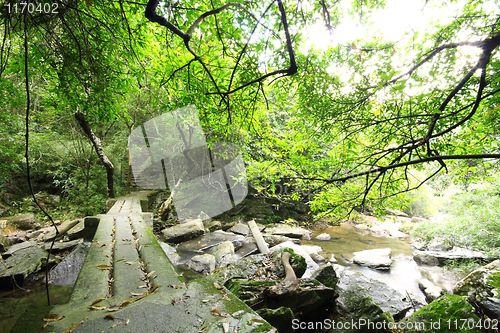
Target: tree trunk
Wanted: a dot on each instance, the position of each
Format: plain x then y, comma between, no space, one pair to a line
100,152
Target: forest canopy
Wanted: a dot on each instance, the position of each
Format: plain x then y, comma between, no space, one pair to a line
338,120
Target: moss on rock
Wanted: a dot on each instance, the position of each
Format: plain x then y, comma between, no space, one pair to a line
445,314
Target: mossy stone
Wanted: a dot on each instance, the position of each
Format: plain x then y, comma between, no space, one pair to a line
281,318
444,314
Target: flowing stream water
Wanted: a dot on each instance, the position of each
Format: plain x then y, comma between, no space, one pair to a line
404,273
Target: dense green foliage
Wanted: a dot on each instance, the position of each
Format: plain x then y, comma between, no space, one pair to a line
473,222
345,132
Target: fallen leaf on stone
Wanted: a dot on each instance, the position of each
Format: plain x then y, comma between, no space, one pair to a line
225,326
135,294
97,308
237,313
115,324
176,286
103,245
128,321
215,312
104,267
216,285
121,260
72,327
149,274
52,317
97,301
109,317
256,321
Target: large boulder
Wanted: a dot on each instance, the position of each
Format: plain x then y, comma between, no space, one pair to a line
17,247
311,296
440,258
483,286
240,229
183,232
281,318
202,264
21,264
223,253
312,266
212,239
430,290
449,313
289,231
359,307
273,240
377,258
326,275
324,237
386,297
22,221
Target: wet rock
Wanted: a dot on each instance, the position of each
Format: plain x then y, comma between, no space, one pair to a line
435,258
204,217
183,232
63,246
312,248
211,239
311,296
319,259
311,265
46,199
223,253
21,264
289,231
213,225
240,229
395,212
34,234
416,245
483,285
77,231
245,250
202,264
443,310
415,219
377,258
67,271
257,266
22,221
430,290
273,240
389,299
171,252
438,245
324,237
62,228
281,318
424,258
358,305
18,247
326,275
402,219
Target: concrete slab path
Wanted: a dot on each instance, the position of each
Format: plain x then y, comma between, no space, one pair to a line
128,284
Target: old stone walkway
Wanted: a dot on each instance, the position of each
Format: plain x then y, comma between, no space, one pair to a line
128,284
